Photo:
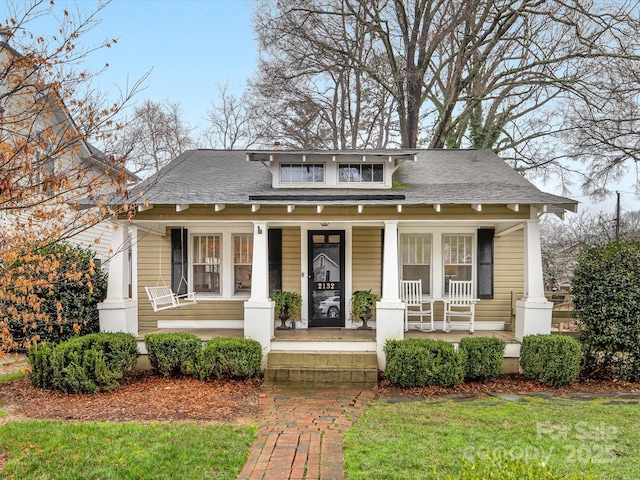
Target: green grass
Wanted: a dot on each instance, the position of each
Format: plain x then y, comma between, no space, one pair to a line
436,439
45,449
10,377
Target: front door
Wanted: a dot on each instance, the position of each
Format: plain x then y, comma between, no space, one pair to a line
326,278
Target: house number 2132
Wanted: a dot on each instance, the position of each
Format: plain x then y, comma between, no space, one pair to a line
325,286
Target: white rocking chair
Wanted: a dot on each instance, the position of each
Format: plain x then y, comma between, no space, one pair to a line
163,298
459,304
411,295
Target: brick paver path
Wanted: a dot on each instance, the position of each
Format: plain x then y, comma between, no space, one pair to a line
301,432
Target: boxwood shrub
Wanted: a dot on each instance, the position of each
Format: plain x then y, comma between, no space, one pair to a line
227,358
421,362
85,364
170,352
550,359
484,357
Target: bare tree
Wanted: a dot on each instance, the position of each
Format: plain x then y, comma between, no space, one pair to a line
49,112
312,97
516,76
155,135
231,122
562,241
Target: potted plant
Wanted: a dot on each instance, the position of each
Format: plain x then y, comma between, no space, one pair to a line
362,304
287,305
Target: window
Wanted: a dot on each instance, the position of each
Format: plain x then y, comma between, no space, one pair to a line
457,253
360,172
416,260
206,263
302,173
242,260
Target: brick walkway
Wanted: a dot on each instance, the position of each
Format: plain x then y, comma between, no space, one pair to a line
301,432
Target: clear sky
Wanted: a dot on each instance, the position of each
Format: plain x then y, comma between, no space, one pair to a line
191,46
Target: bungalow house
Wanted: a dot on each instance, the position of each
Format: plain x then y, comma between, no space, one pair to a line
230,226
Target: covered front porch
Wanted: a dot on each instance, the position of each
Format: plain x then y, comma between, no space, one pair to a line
372,258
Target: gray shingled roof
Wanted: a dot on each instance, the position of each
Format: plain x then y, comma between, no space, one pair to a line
437,177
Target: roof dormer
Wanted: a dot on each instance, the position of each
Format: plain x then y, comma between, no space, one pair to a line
344,169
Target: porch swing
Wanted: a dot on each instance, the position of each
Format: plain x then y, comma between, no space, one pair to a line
161,296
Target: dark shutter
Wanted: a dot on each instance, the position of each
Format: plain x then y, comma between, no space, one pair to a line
275,259
485,262
179,265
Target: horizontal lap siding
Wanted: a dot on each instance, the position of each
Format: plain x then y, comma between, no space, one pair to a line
366,258
154,265
366,254
96,238
508,272
291,259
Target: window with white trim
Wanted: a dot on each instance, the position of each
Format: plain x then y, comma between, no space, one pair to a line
416,259
457,258
302,173
361,172
242,261
206,263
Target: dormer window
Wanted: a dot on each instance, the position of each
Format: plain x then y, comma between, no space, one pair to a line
361,172
332,169
302,173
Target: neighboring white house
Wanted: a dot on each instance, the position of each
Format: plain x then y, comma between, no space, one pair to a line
35,123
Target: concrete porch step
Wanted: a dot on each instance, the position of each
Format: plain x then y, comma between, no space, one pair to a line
322,368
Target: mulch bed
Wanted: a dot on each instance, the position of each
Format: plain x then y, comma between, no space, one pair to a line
146,397
142,397
511,383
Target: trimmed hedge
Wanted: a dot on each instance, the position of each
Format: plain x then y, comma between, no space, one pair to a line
550,359
85,364
227,358
421,362
170,352
484,357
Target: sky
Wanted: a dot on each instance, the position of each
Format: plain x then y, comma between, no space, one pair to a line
191,46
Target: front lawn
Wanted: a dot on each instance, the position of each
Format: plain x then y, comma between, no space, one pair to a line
46,449
433,439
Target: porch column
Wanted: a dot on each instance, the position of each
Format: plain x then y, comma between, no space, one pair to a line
258,310
533,312
389,310
119,312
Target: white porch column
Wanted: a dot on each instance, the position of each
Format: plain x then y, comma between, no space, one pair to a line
119,312
533,312
258,310
389,310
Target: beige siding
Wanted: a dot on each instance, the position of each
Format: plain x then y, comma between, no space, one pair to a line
508,276
291,252
154,265
366,254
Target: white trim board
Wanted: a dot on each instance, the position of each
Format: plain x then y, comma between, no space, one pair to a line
323,346
221,324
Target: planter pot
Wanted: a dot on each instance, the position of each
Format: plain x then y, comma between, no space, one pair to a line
365,319
284,316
